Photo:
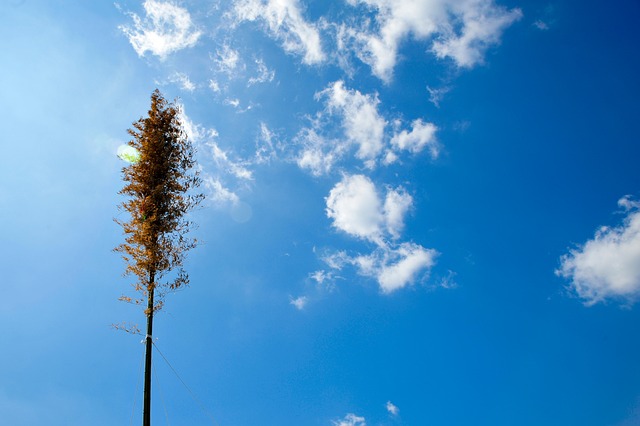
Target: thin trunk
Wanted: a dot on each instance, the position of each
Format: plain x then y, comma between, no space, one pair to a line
146,409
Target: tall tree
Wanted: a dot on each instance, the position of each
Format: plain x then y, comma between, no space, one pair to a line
158,185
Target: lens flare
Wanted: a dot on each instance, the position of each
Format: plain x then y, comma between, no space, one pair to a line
129,154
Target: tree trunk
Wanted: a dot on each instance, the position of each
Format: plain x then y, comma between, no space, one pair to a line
146,409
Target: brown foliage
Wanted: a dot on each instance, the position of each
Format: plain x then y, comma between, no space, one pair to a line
157,190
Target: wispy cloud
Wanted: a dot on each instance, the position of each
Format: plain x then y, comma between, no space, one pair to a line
218,167
285,22
548,18
227,59
607,266
350,420
182,80
448,281
324,279
236,168
299,302
336,260
165,29
214,86
541,25
482,24
264,74
392,409
318,153
197,133
217,192
234,102
267,145
437,94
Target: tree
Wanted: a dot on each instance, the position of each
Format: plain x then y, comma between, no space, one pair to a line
158,185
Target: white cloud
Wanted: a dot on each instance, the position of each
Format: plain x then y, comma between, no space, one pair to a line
166,28
299,302
221,158
437,94
482,27
285,22
318,276
363,128
628,203
217,192
337,260
235,102
227,59
350,420
183,81
392,409
390,157
214,86
404,265
396,205
214,178
541,25
357,209
325,280
461,29
395,268
421,135
318,154
196,133
448,281
607,266
362,123
548,18
266,146
265,75
315,161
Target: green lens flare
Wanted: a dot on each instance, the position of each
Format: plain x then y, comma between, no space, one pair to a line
129,154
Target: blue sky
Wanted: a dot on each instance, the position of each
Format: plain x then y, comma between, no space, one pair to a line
419,212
